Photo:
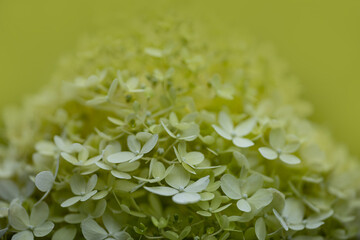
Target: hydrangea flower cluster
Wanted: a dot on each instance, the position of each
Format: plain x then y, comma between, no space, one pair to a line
170,134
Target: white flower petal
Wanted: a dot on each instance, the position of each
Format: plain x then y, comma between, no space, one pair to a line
71,201
92,230
178,177
121,157
222,132
150,144
24,235
225,122
260,229
162,191
198,186
277,138
194,158
133,144
18,217
245,127
71,159
44,181
268,153
243,205
243,142
281,220
230,186
78,184
39,214
67,232
289,159
186,198
91,183
261,198
120,175
44,229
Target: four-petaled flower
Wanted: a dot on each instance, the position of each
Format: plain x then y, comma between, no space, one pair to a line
82,189
280,148
188,160
136,151
28,227
236,134
292,216
249,193
181,191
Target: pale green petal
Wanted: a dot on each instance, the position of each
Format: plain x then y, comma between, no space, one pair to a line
168,130
9,190
178,177
92,230
294,211
277,138
268,153
128,166
83,155
44,229
191,133
162,191
150,144
91,183
291,147
18,217
88,196
261,198
222,132
24,235
158,170
71,201
281,220
289,159
103,165
296,226
133,144
313,224
216,202
207,196
198,186
39,214
186,198
260,229
120,175
71,159
93,160
245,127
44,181
253,183
111,224
67,232
243,142
194,158
78,184
99,208
122,236
220,209
204,213
225,122
230,186
121,157
243,205
75,218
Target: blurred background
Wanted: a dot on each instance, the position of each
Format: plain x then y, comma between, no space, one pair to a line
320,41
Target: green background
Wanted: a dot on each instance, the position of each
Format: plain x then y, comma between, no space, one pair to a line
318,39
